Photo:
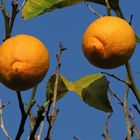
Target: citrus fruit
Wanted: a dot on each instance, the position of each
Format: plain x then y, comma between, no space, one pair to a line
108,42
24,62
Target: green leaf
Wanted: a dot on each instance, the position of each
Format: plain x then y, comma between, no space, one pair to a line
34,8
93,90
62,89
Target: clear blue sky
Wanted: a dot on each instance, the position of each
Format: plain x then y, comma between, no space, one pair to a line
75,117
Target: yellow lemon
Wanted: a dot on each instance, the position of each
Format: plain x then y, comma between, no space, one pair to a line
108,42
24,62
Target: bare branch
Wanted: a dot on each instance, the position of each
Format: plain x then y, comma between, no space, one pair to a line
132,84
22,5
92,10
21,105
106,134
39,119
40,131
117,78
58,56
24,112
134,128
2,123
126,114
32,124
51,119
137,109
118,99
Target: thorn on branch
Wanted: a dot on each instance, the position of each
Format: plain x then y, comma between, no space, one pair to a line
131,18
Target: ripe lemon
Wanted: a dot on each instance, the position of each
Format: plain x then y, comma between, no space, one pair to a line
24,62
108,42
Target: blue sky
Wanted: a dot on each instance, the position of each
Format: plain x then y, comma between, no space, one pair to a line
75,117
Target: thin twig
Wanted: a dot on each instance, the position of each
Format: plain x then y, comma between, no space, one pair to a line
126,114
22,5
25,113
32,101
132,82
48,137
13,16
51,119
106,134
51,122
118,99
137,109
40,131
6,20
117,78
21,105
135,129
32,124
58,56
131,18
39,119
2,123
92,10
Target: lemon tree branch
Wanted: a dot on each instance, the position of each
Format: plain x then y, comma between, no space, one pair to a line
92,10
32,101
6,19
53,99
15,11
108,8
2,126
126,114
132,84
24,112
10,19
